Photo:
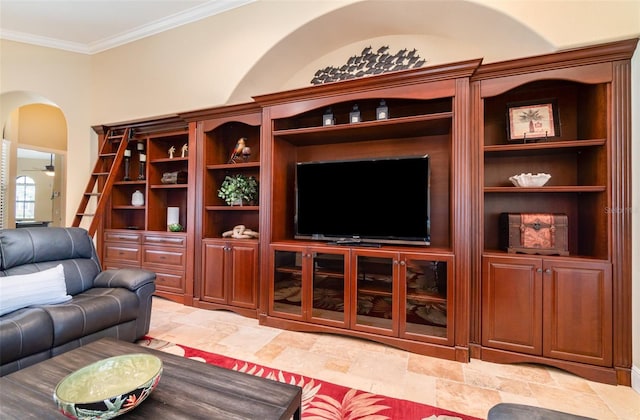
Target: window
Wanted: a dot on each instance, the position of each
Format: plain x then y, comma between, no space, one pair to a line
25,198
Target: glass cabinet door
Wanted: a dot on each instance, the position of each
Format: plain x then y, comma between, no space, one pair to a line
329,287
375,289
425,283
286,296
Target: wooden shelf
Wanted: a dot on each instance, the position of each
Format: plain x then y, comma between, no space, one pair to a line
165,160
435,124
232,208
132,182
168,186
545,146
554,189
229,166
129,207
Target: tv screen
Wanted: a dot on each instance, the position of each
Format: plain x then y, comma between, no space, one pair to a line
370,201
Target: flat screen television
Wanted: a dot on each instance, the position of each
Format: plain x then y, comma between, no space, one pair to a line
368,201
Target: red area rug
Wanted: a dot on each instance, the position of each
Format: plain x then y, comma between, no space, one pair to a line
321,400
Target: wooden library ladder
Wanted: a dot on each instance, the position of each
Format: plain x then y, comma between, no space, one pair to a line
102,178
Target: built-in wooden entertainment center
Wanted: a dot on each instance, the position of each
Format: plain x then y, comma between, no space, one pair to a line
462,297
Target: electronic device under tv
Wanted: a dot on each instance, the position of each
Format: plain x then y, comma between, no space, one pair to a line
367,201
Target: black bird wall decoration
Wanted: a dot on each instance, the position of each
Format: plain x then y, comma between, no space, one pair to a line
368,63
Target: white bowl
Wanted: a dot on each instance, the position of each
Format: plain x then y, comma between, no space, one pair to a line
529,180
109,387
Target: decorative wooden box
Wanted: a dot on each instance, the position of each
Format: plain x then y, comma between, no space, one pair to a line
534,233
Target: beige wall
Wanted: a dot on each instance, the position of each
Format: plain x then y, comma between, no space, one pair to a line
31,74
270,45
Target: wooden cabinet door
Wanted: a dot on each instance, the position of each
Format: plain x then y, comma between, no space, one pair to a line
426,281
578,311
242,262
375,294
287,281
512,304
230,273
328,290
214,268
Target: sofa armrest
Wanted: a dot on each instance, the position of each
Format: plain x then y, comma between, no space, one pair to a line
130,278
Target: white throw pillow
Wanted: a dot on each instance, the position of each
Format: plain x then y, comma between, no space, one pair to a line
41,288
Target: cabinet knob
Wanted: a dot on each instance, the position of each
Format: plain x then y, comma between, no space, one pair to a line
547,271
402,263
539,270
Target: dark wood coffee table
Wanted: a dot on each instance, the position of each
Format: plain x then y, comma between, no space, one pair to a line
188,389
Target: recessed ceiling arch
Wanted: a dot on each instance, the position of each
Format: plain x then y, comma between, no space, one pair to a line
442,31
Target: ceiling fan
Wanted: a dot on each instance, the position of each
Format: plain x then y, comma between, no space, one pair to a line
49,169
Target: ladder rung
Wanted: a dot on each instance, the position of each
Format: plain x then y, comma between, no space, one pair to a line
86,214
100,173
107,154
93,194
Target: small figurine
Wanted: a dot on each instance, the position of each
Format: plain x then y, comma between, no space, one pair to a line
172,150
237,151
240,232
185,149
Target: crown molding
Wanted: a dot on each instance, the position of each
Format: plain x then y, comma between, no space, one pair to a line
188,16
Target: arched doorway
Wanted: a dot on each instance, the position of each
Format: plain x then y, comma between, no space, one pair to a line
34,145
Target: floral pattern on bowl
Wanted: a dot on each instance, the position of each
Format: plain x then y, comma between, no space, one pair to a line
530,180
109,387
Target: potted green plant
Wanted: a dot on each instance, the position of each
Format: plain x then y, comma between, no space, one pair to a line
238,189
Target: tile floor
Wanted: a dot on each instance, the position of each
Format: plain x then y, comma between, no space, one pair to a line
469,388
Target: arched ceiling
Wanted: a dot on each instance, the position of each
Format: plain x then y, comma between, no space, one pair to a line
441,30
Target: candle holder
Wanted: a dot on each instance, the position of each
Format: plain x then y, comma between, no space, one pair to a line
143,160
354,115
127,163
327,118
382,112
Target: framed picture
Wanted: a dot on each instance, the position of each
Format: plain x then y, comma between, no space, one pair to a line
533,120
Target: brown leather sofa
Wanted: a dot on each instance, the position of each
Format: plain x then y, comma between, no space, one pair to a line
110,303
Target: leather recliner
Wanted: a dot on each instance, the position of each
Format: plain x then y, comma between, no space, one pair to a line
110,303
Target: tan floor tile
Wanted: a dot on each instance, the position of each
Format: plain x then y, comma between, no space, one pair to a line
465,399
432,366
622,400
339,365
574,402
301,340
269,352
506,385
419,388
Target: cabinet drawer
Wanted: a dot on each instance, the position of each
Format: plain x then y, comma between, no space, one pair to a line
120,236
122,252
164,256
170,281
165,240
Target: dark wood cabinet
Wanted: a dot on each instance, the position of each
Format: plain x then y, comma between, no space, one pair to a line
463,296
548,307
570,312
310,283
227,274
428,116
230,274
135,235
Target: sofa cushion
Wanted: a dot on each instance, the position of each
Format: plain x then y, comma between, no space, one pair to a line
40,244
24,332
39,288
91,311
